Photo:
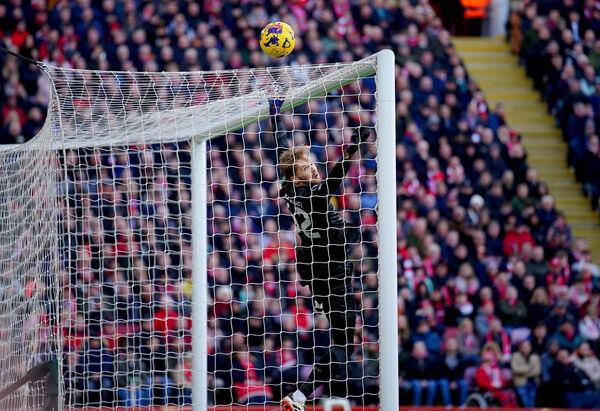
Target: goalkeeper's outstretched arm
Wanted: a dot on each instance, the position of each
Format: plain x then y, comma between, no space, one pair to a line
338,171
280,132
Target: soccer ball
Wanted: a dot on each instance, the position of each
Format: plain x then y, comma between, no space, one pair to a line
277,39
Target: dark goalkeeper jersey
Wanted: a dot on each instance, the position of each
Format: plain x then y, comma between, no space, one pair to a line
325,237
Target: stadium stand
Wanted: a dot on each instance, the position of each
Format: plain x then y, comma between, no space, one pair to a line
484,257
561,51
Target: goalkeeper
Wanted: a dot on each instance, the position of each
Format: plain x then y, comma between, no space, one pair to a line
322,253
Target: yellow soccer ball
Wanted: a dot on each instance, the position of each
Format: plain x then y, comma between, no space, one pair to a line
277,39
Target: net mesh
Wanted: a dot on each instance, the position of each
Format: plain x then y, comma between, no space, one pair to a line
112,193
28,266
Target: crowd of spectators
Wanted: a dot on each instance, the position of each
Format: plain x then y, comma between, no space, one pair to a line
494,294
559,43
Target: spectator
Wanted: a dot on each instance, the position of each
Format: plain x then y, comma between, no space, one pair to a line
98,363
489,377
134,383
248,382
461,309
577,389
585,360
539,307
558,316
536,265
539,339
453,370
499,336
516,238
526,369
589,326
430,338
422,373
548,394
484,318
155,357
468,342
183,380
511,311
364,374
567,336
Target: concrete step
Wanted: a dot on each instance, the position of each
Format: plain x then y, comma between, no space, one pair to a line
560,191
512,95
584,221
523,115
534,126
549,133
496,83
484,45
529,116
485,55
525,127
589,231
551,160
499,70
517,105
482,57
572,202
504,76
557,176
542,143
523,118
544,153
545,157
579,210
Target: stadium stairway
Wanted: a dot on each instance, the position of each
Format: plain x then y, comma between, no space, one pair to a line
496,71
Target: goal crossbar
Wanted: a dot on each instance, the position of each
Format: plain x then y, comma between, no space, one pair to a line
183,123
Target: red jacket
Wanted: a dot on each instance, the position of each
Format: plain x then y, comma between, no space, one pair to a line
490,378
514,240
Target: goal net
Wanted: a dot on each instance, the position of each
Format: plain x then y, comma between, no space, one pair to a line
28,266
146,246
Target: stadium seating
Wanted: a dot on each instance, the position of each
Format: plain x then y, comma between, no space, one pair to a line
561,52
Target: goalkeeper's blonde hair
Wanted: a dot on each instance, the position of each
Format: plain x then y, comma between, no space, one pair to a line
288,159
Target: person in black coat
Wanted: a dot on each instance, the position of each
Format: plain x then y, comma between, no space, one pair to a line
578,390
422,372
452,370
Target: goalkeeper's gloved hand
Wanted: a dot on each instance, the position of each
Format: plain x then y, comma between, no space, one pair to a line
318,307
359,135
275,106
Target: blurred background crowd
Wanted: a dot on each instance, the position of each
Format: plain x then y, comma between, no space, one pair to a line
559,43
494,293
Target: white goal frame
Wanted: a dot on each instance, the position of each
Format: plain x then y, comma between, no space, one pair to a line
386,228
199,132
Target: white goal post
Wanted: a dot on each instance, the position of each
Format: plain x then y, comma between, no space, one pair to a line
100,123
